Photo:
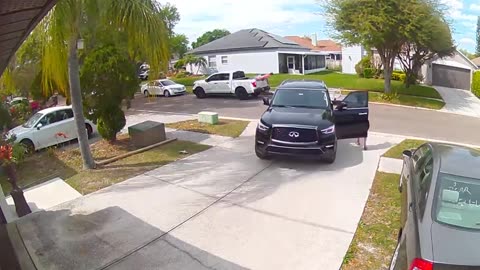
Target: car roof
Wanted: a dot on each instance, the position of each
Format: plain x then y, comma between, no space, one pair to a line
458,160
303,84
53,109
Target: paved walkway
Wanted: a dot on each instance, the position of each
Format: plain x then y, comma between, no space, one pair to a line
459,101
219,209
390,165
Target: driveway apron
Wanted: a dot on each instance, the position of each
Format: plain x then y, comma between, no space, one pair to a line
220,209
459,101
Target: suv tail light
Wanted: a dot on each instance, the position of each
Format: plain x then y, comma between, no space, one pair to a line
254,84
420,264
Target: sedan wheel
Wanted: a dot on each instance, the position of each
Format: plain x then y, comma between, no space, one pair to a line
29,146
166,93
146,93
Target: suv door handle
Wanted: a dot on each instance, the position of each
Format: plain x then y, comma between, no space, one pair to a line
363,113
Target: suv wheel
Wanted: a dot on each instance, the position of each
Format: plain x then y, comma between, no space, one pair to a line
200,93
331,156
241,93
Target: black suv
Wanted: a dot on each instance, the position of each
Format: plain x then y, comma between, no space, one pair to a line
301,120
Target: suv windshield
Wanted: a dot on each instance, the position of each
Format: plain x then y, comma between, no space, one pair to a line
32,120
167,83
300,98
458,201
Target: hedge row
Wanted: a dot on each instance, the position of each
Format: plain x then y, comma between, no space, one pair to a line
476,83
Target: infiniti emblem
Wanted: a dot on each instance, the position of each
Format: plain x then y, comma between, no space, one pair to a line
294,134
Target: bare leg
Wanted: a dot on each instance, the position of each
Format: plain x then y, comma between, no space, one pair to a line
358,141
365,143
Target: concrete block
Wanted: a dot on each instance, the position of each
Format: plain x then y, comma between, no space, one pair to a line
208,117
147,133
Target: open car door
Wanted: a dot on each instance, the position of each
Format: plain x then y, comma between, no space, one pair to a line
351,116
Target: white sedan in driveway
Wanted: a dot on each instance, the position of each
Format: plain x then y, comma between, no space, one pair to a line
163,87
49,127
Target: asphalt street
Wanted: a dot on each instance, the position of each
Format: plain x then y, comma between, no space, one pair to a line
383,118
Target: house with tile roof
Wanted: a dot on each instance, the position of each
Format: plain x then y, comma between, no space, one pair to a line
332,49
257,51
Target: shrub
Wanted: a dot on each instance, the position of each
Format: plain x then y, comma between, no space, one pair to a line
20,112
396,75
181,74
403,77
187,81
362,65
476,83
368,73
110,123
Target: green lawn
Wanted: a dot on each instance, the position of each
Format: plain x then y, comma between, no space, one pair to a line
353,82
67,164
407,100
230,128
396,151
375,239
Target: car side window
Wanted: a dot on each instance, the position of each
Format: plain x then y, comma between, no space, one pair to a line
213,78
357,99
63,115
224,76
48,119
423,174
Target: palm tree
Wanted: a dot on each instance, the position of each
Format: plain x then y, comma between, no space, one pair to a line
201,62
190,60
61,29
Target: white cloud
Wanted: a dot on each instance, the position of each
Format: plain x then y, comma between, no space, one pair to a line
455,10
475,7
466,42
277,16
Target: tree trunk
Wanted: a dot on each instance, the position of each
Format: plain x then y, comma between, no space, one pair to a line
76,99
387,75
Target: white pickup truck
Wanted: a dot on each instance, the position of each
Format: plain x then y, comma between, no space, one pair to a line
231,83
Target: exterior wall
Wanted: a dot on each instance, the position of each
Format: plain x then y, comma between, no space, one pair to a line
247,61
351,55
456,60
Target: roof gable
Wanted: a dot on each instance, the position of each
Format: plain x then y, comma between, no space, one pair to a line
247,39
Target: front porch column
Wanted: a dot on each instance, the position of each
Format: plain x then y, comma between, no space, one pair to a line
303,64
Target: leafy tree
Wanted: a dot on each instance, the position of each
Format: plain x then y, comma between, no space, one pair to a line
169,13
374,24
468,54
140,21
477,50
179,45
430,37
108,77
209,37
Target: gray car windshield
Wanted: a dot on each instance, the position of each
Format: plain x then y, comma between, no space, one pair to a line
32,120
300,98
458,201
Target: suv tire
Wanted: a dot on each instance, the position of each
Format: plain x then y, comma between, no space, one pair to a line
200,93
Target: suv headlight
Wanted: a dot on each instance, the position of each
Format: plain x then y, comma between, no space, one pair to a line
262,127
328,130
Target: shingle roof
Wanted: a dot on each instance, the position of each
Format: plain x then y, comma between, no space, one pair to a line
322,45
17,19
476,61
247,39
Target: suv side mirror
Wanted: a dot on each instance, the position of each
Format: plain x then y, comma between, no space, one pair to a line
407,153
341,106
39,125
266,101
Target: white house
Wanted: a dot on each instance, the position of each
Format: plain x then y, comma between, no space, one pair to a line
256,51
453,71
351,55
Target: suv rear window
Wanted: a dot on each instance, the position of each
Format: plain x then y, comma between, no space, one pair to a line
458,201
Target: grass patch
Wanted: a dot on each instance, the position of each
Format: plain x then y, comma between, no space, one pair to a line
353,82
376,236
229,128
396,151
408,101
67,164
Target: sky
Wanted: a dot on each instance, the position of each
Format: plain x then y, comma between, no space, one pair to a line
297,17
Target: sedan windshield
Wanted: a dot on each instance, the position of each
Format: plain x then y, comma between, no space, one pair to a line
300,98
458,201
167,83
33,120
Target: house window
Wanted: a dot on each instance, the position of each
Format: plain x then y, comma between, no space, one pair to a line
224,60
212,62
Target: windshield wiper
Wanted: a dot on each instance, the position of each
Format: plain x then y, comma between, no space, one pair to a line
282,106
310,107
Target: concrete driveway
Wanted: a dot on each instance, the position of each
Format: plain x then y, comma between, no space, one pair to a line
219,209
459,101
